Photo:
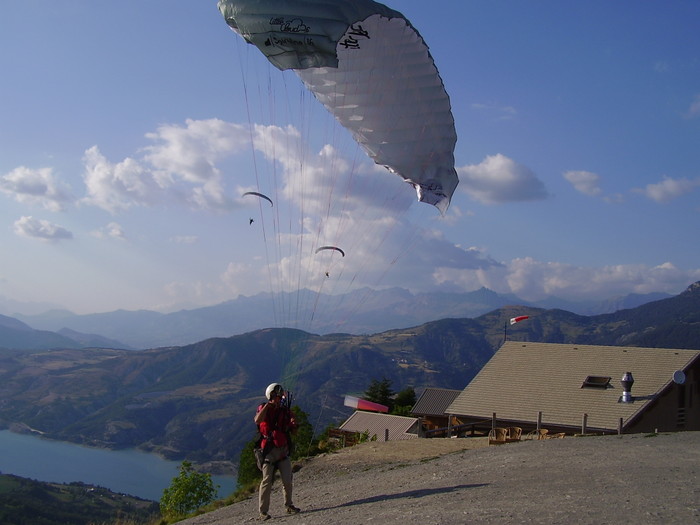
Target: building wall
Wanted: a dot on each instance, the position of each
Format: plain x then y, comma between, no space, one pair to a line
676,410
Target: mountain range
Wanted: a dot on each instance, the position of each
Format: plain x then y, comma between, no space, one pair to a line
363,311
196,401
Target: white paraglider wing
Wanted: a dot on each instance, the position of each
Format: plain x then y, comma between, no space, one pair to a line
372,70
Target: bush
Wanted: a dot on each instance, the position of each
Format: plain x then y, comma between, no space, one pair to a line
188,491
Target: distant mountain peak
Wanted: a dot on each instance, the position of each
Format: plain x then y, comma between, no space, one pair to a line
693,288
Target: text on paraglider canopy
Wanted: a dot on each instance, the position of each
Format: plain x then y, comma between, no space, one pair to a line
294,25
289,41
350,41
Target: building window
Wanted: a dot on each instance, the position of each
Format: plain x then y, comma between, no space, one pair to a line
596,382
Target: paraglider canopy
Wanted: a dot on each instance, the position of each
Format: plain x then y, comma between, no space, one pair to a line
371,69
257,194
331,248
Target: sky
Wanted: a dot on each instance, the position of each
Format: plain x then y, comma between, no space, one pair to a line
129,132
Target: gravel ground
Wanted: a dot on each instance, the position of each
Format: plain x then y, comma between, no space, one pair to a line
635,479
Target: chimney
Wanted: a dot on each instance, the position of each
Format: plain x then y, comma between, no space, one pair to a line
627,381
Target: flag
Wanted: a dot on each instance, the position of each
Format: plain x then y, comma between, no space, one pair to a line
519,318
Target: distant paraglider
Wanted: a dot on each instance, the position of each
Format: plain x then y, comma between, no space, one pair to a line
268,199
331,248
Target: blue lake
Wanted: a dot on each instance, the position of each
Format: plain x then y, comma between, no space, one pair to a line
124,471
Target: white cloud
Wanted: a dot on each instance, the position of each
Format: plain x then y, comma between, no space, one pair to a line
183,168
36,187
30,227
180,167
190,154
669,189
534,280
585,182
498,179
116,187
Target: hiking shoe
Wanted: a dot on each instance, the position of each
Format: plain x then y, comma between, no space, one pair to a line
264,517
291,509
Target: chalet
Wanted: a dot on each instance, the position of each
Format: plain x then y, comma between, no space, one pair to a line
431,408
382,427
580,389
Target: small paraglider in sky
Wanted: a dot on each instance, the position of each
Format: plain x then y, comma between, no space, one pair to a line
261,195
331,248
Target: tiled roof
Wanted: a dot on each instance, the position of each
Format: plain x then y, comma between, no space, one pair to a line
434,401
400,427
522,379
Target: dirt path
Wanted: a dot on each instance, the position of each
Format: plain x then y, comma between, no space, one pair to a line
629,479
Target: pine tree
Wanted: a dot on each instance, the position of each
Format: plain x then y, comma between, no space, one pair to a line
380,392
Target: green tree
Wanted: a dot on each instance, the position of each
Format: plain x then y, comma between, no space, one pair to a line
404,401
248,473
303,438
380,392
187,492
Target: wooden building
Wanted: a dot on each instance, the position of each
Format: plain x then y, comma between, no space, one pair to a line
577,389
431,407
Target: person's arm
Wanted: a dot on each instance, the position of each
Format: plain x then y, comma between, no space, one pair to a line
260,415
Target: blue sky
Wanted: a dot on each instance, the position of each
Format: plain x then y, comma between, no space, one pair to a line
126,144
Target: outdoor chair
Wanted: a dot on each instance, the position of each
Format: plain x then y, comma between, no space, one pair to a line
514,434
497,436
538,434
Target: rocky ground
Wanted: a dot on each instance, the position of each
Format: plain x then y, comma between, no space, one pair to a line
640,479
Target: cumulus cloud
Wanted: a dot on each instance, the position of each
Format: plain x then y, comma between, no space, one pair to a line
669,189
30,227
180,167
36,187
499,179
584,182
190,155
191,152
534,280
116,187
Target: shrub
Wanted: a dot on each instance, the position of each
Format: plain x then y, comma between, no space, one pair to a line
188,491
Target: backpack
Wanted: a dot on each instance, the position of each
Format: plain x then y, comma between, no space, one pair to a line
258,451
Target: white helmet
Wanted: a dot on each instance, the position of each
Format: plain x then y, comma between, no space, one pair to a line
273,388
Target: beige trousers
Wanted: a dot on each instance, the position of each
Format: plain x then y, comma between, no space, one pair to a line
272,463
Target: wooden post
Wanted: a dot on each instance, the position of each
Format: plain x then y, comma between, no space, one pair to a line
619,427
449,425
584,423
539,421
386,434
493,421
